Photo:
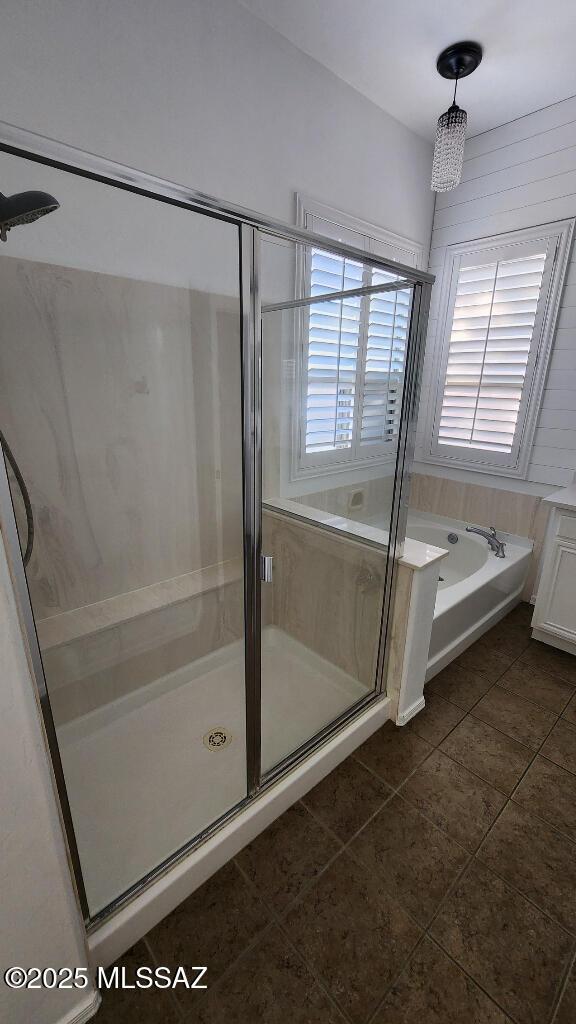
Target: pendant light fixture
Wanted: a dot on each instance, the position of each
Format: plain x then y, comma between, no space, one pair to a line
455,62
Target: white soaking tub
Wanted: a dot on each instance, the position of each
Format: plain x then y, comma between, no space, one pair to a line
475,588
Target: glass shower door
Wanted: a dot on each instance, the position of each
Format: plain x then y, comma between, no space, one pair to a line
121,401
333,373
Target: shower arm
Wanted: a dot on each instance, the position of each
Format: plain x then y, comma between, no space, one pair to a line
25,497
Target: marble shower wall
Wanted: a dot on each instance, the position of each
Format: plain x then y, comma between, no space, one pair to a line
95,669
121,401
360,502
327,593
510,511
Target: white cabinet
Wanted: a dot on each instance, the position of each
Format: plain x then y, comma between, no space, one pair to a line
554,619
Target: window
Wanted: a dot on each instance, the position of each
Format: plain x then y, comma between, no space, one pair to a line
351,358
500,302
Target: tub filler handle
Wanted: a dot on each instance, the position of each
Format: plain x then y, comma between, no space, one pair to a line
491,536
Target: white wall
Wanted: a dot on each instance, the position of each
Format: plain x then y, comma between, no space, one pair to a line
206,94
41,925
517,176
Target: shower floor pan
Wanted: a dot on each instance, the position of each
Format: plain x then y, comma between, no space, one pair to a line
148,772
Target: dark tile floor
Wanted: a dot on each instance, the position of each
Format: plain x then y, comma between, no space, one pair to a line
430,879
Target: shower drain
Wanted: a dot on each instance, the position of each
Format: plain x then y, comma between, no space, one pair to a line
217,738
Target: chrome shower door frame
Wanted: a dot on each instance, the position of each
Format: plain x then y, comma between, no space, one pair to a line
252,227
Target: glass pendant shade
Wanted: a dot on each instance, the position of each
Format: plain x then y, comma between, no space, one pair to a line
449,149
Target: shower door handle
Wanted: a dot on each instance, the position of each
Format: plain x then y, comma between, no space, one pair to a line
266,568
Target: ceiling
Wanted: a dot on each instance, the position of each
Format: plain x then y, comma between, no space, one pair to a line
387,49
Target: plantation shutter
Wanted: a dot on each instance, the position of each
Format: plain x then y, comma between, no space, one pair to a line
383,379
352,351
332,356
495,319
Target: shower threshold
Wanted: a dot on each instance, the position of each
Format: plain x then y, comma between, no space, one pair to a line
149,771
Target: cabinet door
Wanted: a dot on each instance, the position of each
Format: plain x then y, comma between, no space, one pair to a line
561,610
556,604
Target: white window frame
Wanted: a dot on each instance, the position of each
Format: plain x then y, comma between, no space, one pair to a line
557,236
377,241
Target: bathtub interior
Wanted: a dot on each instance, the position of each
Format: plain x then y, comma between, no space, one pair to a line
466,554
476,590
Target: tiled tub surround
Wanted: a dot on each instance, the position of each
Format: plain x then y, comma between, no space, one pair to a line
509,511
429,878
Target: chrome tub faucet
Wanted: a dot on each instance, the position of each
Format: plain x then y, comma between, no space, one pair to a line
492,538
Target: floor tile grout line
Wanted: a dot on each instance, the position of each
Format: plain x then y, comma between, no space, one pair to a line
510,885
438,746
396,979
454,760
447,895
544,707
344,849
250,945
529,700
345,844
533,758
495,727
544,821
509,1016
280,918
475,858
425,934
322,984
155,961
327,828
399,791
395,789
430,821
563,986
538,754
306,888
278,921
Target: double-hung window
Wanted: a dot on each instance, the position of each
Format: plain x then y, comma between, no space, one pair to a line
351,350
496,326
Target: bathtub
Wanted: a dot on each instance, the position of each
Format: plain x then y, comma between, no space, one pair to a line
475,589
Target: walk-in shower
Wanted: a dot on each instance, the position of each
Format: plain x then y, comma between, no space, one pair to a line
183,381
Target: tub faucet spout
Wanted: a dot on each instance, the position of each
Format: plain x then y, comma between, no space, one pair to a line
491,536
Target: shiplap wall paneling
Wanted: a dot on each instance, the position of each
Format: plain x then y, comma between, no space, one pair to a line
517,176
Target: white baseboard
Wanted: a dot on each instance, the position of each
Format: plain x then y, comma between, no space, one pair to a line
411,711
86,1013
554,640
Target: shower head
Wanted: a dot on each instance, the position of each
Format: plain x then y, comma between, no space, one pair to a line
23,208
